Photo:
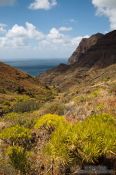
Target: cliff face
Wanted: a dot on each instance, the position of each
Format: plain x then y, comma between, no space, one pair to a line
93,56
83,47
99,51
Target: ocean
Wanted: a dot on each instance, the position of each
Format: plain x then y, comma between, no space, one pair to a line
35,67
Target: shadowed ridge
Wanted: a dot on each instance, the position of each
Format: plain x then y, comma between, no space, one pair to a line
84,46
93,56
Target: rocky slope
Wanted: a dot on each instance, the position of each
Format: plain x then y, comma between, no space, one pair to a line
31,137
101,54
94,57
18,87
14,80
83,47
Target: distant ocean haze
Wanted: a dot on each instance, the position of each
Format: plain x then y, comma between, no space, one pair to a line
35,67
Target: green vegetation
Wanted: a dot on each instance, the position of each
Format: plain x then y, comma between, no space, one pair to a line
54,107
69,143
50,120
26,120
19,159
27,106
16,135
42,128
83,142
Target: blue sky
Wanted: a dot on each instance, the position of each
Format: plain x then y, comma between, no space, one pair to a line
51,28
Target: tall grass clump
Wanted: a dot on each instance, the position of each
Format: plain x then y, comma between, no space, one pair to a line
26,106
16,135
49,120
82,142
19,159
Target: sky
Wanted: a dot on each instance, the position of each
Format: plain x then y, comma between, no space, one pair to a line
51,28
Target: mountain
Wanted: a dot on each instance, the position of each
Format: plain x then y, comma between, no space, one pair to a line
14,80
84,46
65,116
94,57
19,87
98,50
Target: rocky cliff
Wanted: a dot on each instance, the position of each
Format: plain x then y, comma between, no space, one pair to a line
93,57
98,50
84,46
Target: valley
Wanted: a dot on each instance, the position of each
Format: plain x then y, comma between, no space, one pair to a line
63,119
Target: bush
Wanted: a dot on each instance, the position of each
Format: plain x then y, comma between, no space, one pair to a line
49,120
27,106
54,108
16,135
19,159
82,142
25,120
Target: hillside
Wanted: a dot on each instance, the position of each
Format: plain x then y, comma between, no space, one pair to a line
100,53
64,120
88,84
13,80
17,86
84,46
94,57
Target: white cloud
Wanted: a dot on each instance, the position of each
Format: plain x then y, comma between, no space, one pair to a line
2,28
29,31
28,41
65,29
42,4
7,2
76,40
108,9
20,36
55,36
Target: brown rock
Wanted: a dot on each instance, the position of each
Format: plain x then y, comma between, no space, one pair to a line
98,51
84,45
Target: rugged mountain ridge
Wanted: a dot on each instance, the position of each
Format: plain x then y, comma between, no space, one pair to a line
100,51
34,135
84,46
93,57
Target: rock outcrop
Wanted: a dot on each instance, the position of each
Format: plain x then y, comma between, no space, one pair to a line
99,51
84,46
93,57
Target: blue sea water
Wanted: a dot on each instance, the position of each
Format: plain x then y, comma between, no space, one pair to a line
36,66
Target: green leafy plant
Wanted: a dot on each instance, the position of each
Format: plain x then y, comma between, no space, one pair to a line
49,120
27,106
54,108
19,159
82,142
16,135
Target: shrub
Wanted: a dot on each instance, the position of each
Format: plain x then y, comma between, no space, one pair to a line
19,159
22,98
57,148
16,135
97,136
95,93
49,120
54,108
25,120
6,167
82,142
26,106
11,116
